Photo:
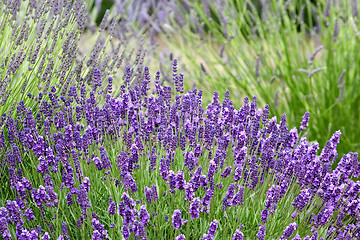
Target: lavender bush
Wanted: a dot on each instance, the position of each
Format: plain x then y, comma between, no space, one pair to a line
39,48
152,162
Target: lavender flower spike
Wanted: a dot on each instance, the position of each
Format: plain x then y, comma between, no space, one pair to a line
305,121
261,233
212,230
195,208
289,230
238,235
180,237
176,219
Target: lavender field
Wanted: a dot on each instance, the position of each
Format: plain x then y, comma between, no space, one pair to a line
179,120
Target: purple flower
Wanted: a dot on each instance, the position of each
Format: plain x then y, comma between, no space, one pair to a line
328,153
133,160
289,230
172,179
265,114
238,235
125,231
65,230
325,215
29,214
205,201
99,231
349,165
264,215
129,202
195,179
112,207
82,197
229,196
297,237
226,172
43,167
238,198
139,230
294,214
129,182
194,208
164,168
40,196
213,227
69,199
180,180
152,158
212,170
189,192
203,180
190,160
273,196
97,163
261,233
305,121
154,193
46,236
238,173
180,237
212,230
152,126
148,194
144,215
176,219
239,156
302,199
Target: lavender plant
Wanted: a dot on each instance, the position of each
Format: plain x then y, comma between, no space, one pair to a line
40,48
121,168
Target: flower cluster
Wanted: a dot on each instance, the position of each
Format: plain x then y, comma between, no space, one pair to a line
212,230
